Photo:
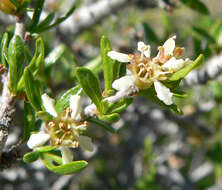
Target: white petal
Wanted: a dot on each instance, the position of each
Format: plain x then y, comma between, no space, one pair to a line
124,83
67,155
175,64
85,143
75,105
143,48
121,57
37,139
169,46
163,93
49,105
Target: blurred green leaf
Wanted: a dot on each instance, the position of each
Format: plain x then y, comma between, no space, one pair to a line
47,20
31,157
180,74
65,169
217,32
119,106
16,61
110,118
150,34
4,45
63,101
200,34
111,67
90,85
54,55
14,2
196,5
32,89
43,115
95,65
46,148
101,124
29,121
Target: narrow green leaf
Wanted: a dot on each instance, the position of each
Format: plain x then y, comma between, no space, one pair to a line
110,118
54,157
150,94
90,85
43,115
63,101
58,21
65,169
196,5
36,15
36,61
32,89
101,124
150,34
16,60
119,106
111,67
4,45
31,157
200,33
29,121
47,20
46,148
180,74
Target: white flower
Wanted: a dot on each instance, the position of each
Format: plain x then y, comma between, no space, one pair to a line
49,105
121,57
163,93
169,46
144,49
174,64
38,139
42,137
124,83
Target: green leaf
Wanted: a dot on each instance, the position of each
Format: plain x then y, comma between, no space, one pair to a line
31,157
54,55
14,2
200,34
58,21
90,85
150,94
36,15
4,45
65,169
47,20
101,124
63,101
36,62
180,74
217,32
16,62
29,121
54,157
111,67
110,118
150,34
196,5
43,115
32,89
119,106
46,148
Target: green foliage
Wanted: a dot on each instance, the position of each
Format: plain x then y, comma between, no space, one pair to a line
3,52
196,5
16,59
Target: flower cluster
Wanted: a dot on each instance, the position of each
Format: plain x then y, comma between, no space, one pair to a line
63,131
146,71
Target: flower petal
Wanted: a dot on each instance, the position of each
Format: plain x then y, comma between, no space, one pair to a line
175,64
124,83
75,105
143,48
163,93
37,139
67,155
85,143
121,57
169,46
49,105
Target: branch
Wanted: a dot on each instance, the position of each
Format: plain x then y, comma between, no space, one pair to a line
210,71
20,26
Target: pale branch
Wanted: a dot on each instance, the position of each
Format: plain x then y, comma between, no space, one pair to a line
20,26
87,16
210,71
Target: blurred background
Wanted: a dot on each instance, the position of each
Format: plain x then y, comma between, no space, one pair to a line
154,149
